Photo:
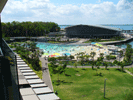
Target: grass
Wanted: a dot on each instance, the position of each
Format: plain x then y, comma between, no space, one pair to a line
59,41
102,41
83,84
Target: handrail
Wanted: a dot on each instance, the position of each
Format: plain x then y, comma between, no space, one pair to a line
8,46
11,56
1,53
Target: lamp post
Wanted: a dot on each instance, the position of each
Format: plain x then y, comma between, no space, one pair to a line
104,86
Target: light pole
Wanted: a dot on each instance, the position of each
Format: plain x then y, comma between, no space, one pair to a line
104,86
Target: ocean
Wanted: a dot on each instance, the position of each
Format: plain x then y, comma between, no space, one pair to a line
121,26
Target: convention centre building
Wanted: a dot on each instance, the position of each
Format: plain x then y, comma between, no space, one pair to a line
92,31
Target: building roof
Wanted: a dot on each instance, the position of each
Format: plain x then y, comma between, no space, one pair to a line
2,4
99,26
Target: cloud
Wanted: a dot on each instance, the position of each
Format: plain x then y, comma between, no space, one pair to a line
44,10
99,1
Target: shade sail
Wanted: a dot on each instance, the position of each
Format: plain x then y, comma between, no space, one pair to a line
45,54
2,4
97,44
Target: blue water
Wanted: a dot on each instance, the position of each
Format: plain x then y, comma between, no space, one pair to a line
57,48
64,26
123,27
124,45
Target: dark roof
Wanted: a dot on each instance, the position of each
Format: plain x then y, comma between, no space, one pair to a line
99,26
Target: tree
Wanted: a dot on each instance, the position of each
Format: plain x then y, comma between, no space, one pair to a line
115,62
98,64
75,64
55,69
93,64
64,67
101,54
122,66
87,57
92,54
106,65
128,54
82,62
121,53
27,29
71,57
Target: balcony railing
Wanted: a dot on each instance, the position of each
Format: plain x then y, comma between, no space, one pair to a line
1,53
9,54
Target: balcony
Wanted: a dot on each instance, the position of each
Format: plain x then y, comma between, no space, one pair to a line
9,72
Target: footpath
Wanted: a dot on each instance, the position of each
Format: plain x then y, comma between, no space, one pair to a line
128,72
99,66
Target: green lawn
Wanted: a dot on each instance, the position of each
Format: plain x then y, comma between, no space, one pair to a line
79,84
102,41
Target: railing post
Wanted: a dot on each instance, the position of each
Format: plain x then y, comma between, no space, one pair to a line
0,32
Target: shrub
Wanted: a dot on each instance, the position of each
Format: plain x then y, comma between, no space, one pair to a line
71,57
108,57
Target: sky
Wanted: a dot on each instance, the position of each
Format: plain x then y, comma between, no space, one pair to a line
69,12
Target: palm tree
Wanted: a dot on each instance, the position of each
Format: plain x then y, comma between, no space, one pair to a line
101,54
75,64
106,65
115,62
93,54
87,56
122,66
92,64
98,64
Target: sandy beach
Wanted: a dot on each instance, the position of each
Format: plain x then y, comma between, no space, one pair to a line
87,49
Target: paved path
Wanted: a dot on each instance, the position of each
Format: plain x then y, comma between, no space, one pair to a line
46,75
99,66
129,72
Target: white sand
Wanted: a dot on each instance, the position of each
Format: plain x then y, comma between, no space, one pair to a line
87,50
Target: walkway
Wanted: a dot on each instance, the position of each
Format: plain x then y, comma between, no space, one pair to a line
46,75
128,72
31,86
99,66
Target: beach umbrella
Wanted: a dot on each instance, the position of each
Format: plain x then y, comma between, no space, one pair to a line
66,54
100,45
45,54
96,43
51,55
56,54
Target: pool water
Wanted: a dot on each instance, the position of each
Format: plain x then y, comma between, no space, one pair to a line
57,48
124,45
